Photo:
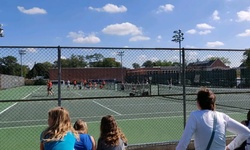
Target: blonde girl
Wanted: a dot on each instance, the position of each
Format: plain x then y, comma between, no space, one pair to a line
59,135
86,141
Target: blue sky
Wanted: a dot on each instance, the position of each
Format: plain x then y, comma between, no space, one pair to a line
126,23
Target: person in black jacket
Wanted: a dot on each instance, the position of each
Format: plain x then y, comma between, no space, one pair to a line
246,144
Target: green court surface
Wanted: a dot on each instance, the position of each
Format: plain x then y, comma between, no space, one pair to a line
152,119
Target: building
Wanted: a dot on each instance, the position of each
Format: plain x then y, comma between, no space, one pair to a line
78,74
207,65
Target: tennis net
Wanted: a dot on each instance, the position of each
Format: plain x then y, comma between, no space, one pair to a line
225,97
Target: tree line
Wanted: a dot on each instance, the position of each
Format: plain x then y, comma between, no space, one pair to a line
9,65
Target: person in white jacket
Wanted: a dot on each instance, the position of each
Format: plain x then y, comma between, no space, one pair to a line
208,127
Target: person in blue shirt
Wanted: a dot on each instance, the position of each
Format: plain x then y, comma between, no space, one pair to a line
59,135
86,141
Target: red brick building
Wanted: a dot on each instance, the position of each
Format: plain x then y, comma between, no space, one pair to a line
79,74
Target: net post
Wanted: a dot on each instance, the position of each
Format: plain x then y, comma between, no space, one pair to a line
158,89
59,74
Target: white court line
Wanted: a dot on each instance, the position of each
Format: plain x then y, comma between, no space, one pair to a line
21,98
7,108
6,128
31,92
149,118
77,93
136,114
106,107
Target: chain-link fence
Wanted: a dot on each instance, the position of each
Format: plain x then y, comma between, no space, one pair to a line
150,91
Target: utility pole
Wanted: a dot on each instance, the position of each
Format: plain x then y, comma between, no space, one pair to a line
121,54
1,30
22,52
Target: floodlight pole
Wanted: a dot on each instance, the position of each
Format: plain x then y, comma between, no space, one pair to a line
121,53
1,30
178,37
22,52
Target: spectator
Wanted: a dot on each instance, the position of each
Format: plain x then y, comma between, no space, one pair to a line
246,144
209,126
59,135
86,142
111,136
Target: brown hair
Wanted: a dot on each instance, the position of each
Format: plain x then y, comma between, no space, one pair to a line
206,99
110,132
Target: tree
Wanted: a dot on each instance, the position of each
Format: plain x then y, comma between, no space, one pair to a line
73,62
107,62
40,69
97,57
148,64
135,65
9,65
246,59
223,59
167,63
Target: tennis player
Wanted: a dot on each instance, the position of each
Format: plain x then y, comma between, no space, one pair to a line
49,88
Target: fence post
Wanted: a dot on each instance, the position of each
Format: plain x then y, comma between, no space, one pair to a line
184,85
59,74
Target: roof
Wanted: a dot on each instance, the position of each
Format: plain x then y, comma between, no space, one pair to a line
202,63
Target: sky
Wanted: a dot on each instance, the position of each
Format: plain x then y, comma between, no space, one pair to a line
126,23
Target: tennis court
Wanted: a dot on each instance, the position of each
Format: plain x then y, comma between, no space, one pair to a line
147,119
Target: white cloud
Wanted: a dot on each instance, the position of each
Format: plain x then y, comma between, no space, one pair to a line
191,56
214,44
142,58
79,37
191,31
215,15
190,46
158,39
246,33
204,26
165,8
122,29
139,38
32,50
28,50
208,56
110,8
205,32
244,15
32,11
153,59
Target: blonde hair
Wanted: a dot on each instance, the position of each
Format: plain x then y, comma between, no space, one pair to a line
110,132
81,126
59,126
